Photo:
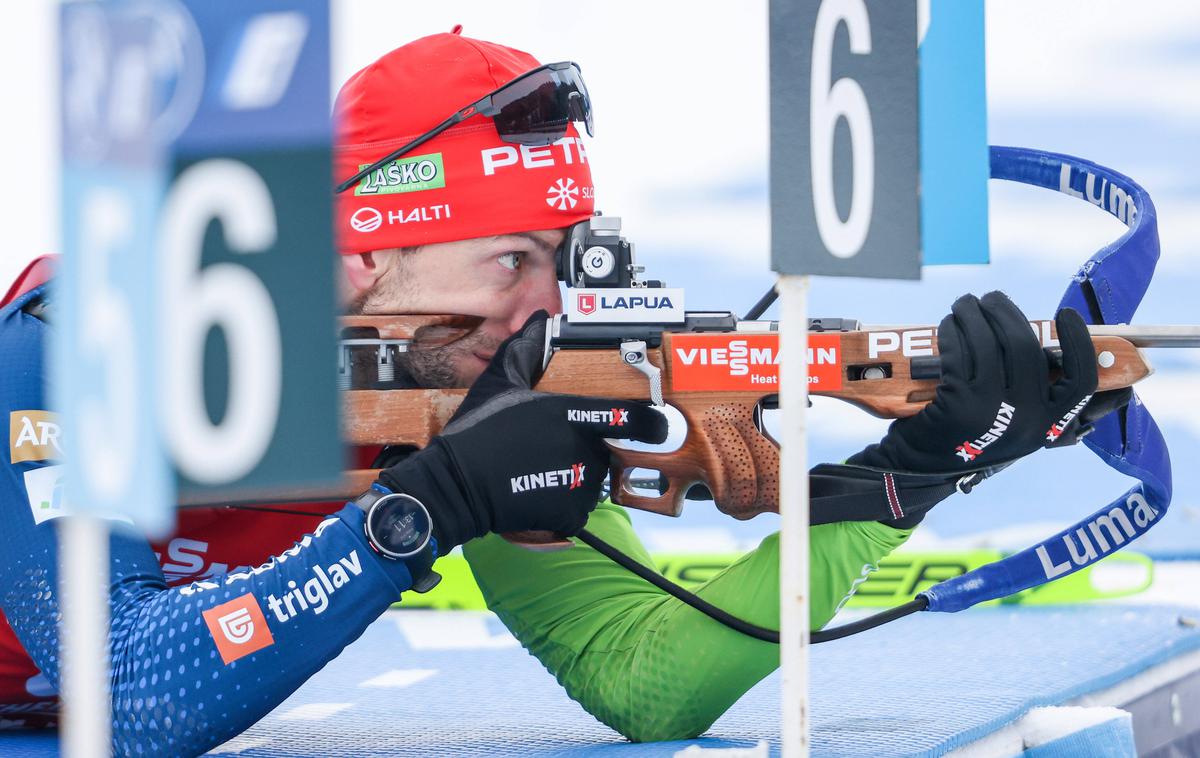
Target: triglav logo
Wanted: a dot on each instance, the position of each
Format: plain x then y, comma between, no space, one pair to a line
366,220
238,627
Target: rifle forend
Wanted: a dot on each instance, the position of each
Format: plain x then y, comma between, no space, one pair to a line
717,371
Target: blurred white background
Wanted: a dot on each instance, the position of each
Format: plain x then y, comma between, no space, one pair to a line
680,91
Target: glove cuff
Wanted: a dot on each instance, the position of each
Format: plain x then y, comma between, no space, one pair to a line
454,522
849,492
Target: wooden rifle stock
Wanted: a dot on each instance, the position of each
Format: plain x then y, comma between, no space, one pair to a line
888,372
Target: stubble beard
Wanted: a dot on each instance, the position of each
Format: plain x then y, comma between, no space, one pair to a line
433,366
445,366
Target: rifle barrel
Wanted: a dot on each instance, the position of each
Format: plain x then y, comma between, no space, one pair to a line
1170,335
1165,335
1152,335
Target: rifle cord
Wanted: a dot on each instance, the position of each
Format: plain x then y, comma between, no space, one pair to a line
919,603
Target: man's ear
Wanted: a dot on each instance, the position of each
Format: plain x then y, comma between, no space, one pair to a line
361,271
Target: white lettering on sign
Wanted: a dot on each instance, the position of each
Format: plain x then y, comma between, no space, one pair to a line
226,296
842,101
265,60
108,417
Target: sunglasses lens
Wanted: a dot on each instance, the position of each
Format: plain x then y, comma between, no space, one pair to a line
536,109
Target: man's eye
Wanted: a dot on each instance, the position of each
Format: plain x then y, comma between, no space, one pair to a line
510,261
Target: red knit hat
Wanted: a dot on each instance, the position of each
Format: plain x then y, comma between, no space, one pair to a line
464,183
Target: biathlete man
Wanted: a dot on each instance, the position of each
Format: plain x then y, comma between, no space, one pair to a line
472,169
480,239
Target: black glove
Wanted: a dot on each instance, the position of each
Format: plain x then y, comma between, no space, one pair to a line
512,459
995,402
1101,404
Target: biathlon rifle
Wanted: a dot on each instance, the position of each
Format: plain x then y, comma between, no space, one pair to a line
631,340
627,340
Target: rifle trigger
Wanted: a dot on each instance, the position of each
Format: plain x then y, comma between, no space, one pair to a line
633,353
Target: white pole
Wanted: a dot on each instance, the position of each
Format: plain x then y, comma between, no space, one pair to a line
83,638
793,510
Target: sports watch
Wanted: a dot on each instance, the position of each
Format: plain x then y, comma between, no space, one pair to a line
399,528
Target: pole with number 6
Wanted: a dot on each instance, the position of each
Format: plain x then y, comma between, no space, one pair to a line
224,296
844,202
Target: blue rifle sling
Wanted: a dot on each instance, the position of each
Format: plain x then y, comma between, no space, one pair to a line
1106,290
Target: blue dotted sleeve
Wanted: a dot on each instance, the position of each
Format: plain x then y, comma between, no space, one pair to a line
190,666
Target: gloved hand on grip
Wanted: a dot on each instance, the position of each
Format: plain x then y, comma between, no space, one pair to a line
995,402
512,459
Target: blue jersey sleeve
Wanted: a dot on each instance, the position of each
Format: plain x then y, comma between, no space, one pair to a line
190,666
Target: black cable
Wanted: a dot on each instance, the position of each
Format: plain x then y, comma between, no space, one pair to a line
660,581
733,622
919,603
761,306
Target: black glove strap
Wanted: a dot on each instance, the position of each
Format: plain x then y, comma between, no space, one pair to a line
840,492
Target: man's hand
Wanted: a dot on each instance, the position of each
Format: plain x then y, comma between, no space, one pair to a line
995,402
513,459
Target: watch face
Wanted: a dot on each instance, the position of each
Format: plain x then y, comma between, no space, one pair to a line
399,525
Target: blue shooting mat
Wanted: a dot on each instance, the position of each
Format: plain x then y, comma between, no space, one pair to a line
454,683
915,688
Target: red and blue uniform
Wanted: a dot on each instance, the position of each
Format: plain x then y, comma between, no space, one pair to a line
211,629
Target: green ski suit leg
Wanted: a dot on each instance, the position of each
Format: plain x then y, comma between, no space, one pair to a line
642,662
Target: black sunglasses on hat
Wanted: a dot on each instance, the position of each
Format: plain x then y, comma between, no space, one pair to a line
533,109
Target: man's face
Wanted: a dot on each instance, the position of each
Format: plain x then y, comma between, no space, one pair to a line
500,279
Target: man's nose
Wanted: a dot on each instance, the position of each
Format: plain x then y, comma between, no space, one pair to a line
540,293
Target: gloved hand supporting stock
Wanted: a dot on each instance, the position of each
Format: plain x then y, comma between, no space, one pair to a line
512,459
995,402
